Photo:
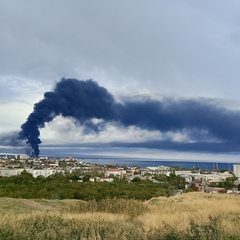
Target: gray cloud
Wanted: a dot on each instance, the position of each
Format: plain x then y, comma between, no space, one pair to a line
10,139
198,147
166,47
178,48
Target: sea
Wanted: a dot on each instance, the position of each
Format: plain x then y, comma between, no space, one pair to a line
144,163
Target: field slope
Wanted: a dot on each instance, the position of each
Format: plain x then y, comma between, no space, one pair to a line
186,216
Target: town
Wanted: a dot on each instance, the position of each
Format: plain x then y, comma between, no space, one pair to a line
195,179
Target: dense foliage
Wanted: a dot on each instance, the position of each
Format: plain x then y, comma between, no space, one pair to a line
67,187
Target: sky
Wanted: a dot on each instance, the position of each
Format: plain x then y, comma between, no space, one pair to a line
181,54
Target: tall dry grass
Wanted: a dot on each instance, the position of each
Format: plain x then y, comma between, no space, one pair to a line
179,211
186,216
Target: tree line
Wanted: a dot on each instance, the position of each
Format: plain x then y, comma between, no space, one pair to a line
67,186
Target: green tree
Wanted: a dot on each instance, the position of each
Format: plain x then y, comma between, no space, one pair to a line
136,179
86,178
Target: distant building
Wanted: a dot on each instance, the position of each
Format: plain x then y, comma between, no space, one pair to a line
152,168
35,172
214,190
115,172
236,170
213,177
106,179
21,156
157,170
164,168
44,172
10,172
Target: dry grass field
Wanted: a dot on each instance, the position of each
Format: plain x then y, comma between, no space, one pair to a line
186,216
179,211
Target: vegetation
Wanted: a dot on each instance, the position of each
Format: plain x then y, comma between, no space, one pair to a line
116,210
67,187
186,216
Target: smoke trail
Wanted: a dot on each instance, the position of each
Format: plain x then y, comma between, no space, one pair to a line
86,100
198,117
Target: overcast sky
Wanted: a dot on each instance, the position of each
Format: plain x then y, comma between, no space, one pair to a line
160,49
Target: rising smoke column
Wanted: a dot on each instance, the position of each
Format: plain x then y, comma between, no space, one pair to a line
86,100
81,100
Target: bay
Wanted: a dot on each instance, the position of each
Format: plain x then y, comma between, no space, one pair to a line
144,163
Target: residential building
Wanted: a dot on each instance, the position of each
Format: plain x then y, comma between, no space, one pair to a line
115,172
236,170
35,172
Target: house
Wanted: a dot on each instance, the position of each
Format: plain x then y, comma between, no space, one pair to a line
115,172
106,179
214,190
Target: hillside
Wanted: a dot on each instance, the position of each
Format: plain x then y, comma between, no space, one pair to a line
186,216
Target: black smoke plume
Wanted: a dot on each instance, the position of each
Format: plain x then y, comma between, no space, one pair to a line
81,100
86,100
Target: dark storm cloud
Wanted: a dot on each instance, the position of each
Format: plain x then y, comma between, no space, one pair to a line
86,100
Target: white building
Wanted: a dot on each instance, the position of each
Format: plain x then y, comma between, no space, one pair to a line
43,172
35,172
21,156
115,172
4,172
213,177
152,169
236,170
